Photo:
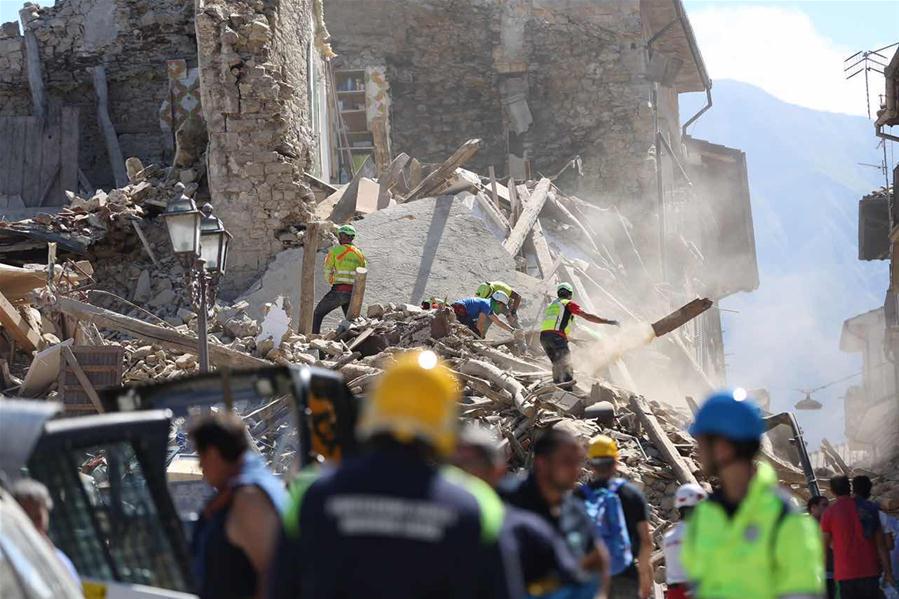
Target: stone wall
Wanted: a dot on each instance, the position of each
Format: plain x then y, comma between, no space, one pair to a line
253,77
438,55
133,39
461,69
14,95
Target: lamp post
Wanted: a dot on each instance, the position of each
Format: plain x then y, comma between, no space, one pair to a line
200,241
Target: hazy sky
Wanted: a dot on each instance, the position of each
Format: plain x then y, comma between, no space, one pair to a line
796,50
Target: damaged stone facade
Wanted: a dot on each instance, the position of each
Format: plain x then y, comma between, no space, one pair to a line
247,61
540,81
253,73
133,39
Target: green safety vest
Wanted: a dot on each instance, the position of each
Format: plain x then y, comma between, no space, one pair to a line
552,317
767,550
492,510
341,264
487,290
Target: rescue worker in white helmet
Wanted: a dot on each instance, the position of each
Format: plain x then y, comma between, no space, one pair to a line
558,320
488,288
340,272
686,498
393,522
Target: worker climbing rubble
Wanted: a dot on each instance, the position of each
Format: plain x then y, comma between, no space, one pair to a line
686,498
340,272
391,522
478,313
746,540
487,289
558,320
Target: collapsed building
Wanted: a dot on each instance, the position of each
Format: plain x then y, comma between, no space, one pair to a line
872,407
250,108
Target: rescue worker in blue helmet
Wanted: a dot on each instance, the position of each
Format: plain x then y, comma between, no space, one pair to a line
392,522
747,539
340,272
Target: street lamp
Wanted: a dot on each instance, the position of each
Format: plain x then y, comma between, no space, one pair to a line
200,241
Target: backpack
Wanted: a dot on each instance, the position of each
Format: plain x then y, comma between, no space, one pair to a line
604,508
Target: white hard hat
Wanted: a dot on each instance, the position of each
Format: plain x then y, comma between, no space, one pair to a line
501,297
688,495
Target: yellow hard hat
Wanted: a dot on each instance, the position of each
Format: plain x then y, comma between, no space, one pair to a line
416,398
602,447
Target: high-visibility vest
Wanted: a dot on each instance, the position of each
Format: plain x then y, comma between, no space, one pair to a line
341,264
488,289
554,315
766,550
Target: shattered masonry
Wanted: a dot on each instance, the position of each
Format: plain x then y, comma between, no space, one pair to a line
253,73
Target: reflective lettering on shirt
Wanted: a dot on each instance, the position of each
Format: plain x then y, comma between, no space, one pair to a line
363,515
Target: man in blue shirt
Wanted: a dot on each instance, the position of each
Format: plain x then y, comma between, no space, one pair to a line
478,313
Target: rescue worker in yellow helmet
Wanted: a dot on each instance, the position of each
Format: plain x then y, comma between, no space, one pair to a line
391,522
340,272
747,540
487,289
558,320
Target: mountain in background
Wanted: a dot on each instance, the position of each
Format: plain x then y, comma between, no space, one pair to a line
805,180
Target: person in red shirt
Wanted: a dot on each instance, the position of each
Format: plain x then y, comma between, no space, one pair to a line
856,562
558,319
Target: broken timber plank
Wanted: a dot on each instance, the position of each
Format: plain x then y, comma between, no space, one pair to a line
541,250
82,378
493,193
445,170
307,278
167,338
836,457
528,217
493,212
390,178
681,316
358,295
34,68
18,327
113,150
346,205
514,202
660,439
143,239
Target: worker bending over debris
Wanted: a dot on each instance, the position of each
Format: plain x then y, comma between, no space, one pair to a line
486,291
746,540
391,522
558,320
477,313
340,272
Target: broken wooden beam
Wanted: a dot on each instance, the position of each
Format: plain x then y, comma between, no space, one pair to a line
501,379
113,150
358,294
660,439
390,179
443,172
528,217
168,338
17,326
493,212
830,450
681,316
307,278
33,67
346,205
83,380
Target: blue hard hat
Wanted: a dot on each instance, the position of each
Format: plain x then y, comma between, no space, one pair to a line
728,414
